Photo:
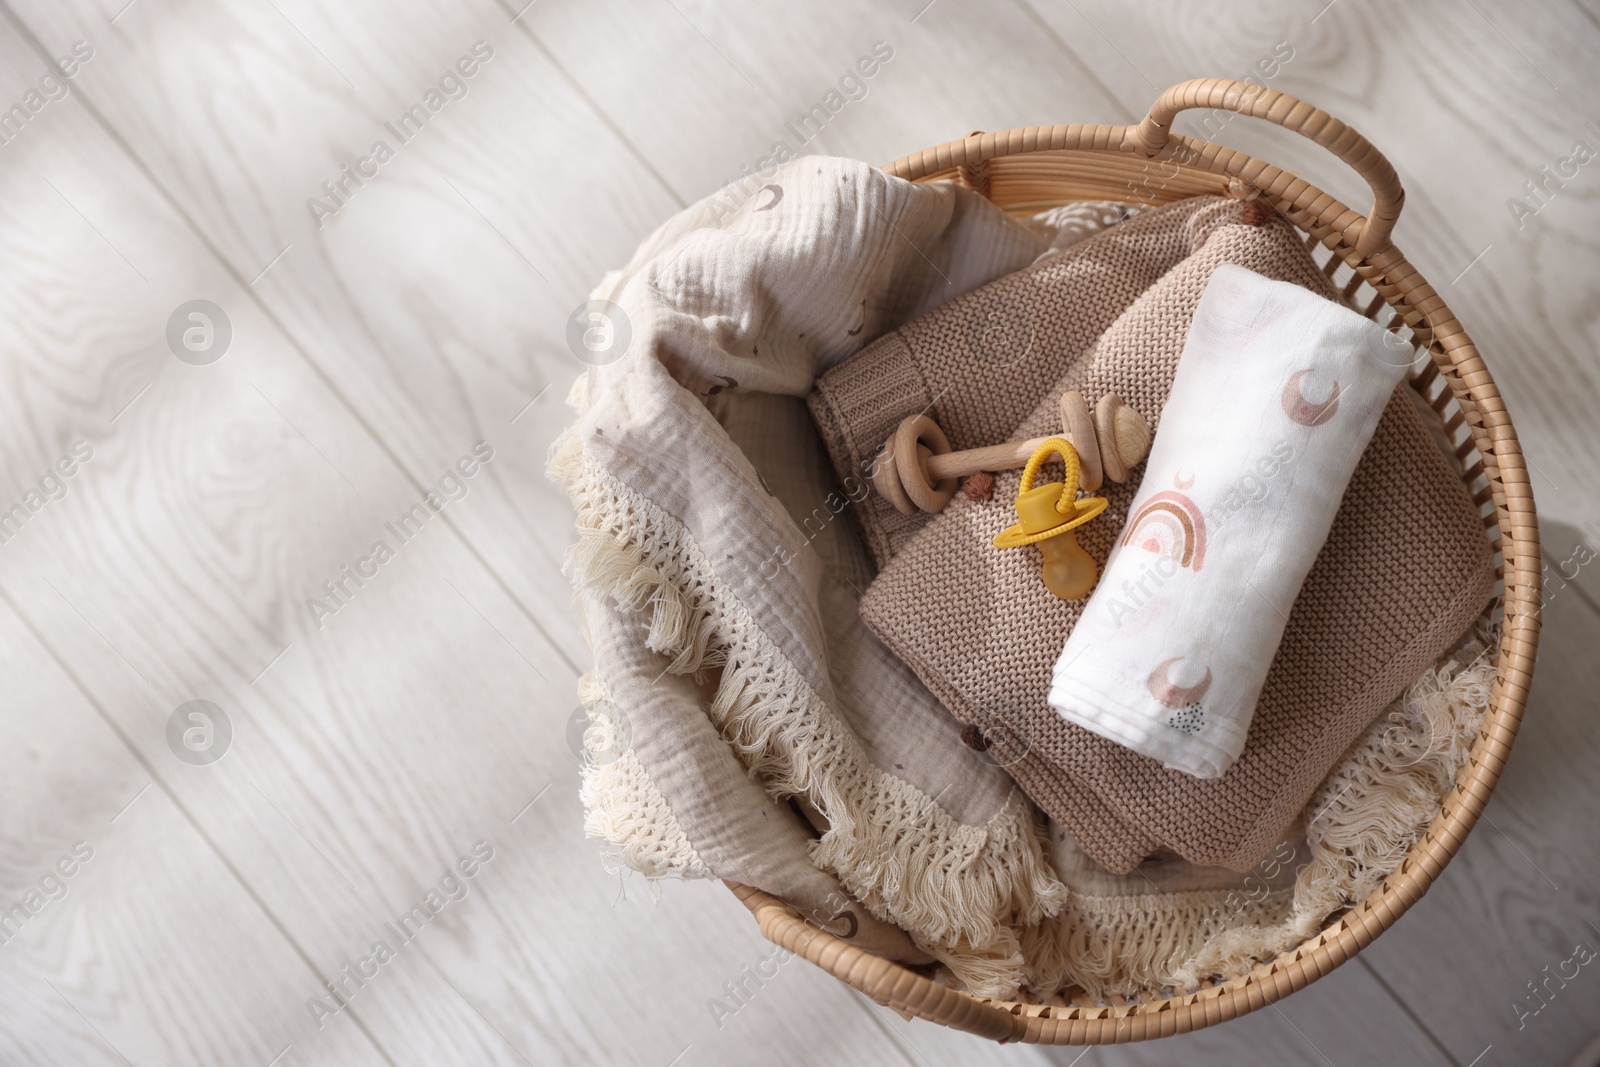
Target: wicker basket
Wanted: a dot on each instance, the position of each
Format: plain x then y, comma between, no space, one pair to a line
1029,170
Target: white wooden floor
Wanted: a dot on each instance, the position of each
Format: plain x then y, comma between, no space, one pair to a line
427,717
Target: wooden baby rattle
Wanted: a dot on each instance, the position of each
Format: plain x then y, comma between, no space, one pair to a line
1047,515
917,470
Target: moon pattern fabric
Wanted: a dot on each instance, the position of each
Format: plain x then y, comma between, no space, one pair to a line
1306,412
1172,695
1276,395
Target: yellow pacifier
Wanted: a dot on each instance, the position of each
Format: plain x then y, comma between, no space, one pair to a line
1047,516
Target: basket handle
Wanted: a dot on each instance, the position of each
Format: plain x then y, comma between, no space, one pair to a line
1256,101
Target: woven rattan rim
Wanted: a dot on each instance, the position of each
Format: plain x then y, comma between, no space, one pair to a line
1028,170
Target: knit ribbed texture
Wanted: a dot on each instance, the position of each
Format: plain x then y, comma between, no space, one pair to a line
1405,570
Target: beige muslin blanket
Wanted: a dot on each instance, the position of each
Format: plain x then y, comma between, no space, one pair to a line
739,701
1404,572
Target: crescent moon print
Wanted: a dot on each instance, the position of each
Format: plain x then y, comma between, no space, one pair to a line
777,195
861,322
1172,695
1303,411
1169,524
1181,482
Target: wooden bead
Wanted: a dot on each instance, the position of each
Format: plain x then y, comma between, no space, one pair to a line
1130,435
1105,425
1075,419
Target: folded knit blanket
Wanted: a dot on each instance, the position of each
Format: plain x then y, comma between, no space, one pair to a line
719,573
1405,570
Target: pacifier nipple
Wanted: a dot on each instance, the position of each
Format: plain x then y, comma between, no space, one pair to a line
1069,571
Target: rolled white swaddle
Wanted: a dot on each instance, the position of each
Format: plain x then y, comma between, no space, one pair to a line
1275,397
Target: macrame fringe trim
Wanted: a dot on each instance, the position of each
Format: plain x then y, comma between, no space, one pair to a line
1367,814
622,805
961,892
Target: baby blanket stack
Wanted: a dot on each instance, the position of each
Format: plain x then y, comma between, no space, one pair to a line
1405,569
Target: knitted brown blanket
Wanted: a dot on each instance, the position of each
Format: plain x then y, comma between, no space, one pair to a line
1405,570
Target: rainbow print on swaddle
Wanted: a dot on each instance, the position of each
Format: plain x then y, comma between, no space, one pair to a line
1275,397
1169,524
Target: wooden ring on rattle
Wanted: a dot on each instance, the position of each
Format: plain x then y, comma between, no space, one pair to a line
1079,424
914,441
887,480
